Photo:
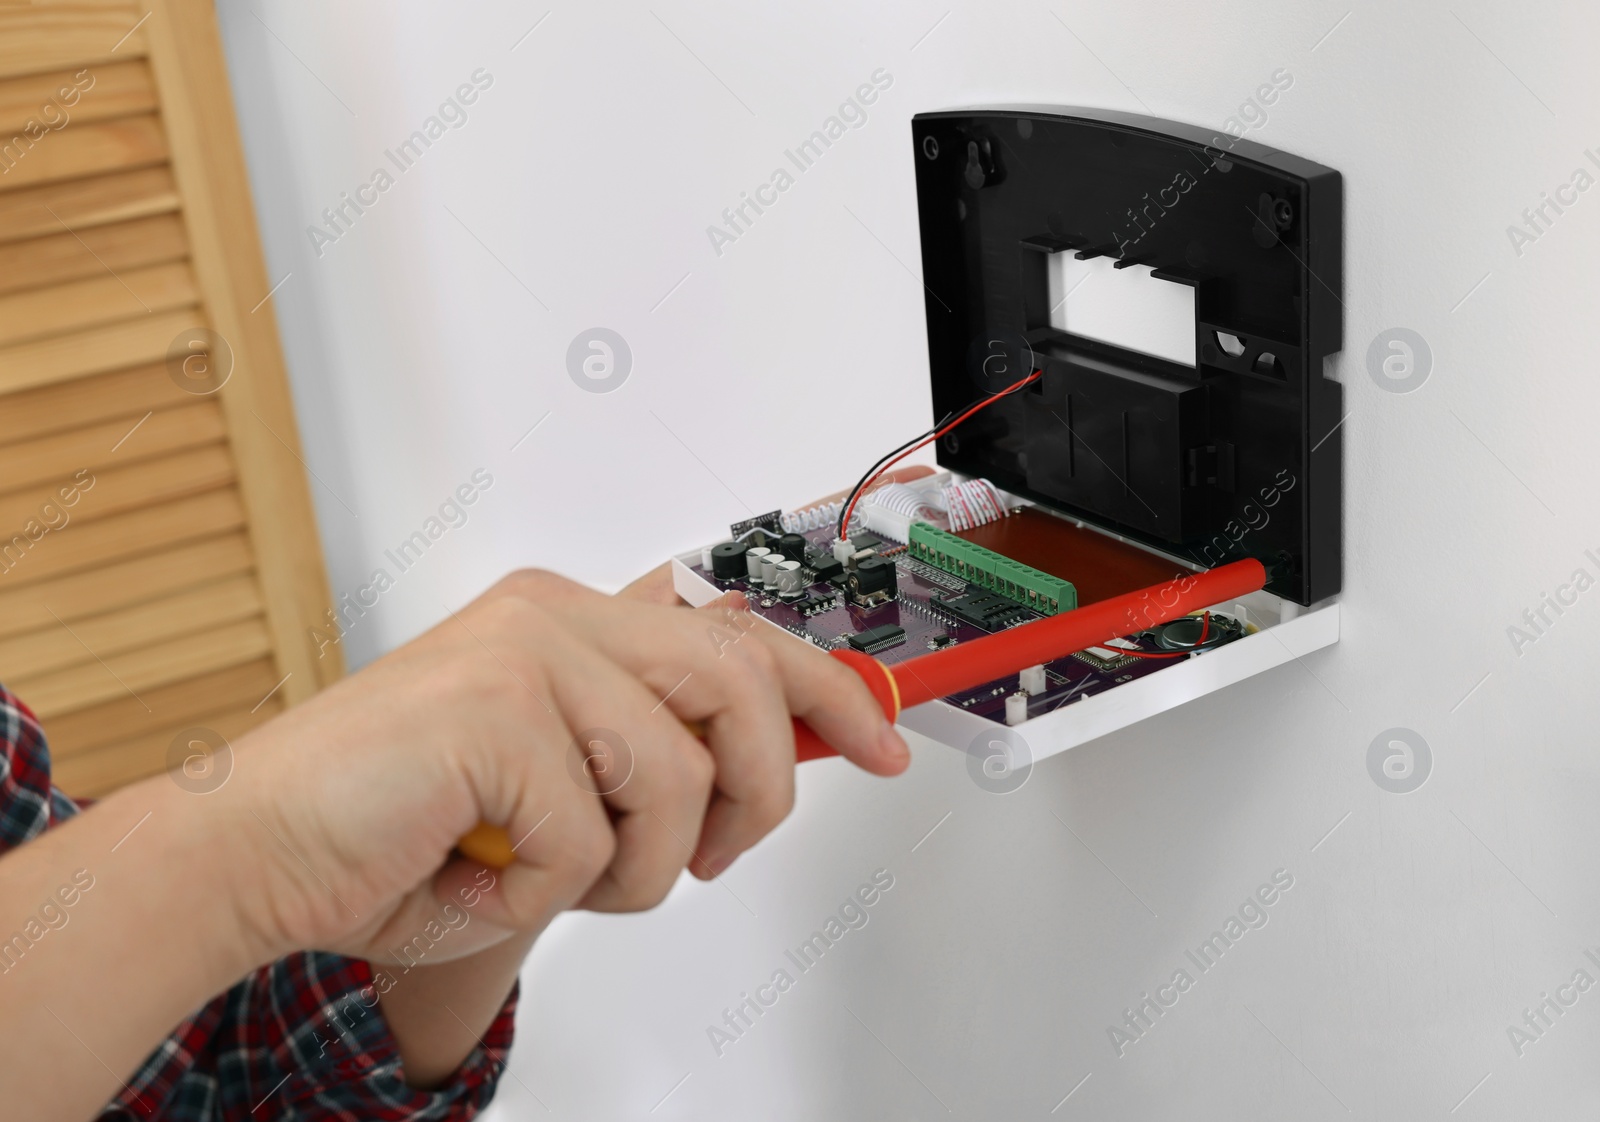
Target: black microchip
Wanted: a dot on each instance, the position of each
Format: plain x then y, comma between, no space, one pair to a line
988,610
875,639
825,565
865,541
1115,663
811,605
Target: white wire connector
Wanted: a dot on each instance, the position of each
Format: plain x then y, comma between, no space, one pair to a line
904,499
975,502
892,508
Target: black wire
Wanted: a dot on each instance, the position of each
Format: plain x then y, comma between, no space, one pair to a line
939,424
862,482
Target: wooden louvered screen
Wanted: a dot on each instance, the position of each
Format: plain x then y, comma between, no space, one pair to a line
176,582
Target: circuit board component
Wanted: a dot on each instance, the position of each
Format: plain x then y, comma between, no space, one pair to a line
872,582
926,606
876,639
987,610
986,569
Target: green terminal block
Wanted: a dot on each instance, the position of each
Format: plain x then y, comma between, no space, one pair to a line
987,569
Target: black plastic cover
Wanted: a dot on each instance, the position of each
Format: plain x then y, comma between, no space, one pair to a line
1238,455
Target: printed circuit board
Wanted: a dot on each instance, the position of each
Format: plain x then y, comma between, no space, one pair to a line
930,609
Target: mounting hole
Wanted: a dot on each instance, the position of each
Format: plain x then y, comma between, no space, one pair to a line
930,148
950,442
1231,345
1283,213
1267,365
975,173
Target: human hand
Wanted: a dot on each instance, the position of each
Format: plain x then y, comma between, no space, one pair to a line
353,801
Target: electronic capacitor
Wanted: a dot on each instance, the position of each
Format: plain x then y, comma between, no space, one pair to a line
752,559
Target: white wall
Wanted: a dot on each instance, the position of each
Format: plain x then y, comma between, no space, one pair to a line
424,345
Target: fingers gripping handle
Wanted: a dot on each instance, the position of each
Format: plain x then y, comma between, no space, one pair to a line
487,845
880,682
491,845
994,656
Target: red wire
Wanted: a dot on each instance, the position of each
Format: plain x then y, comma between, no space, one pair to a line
935,435
1205,629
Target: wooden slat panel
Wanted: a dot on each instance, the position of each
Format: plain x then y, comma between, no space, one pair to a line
74,597
127,393
110,443
90,149
72,255
94,351
157,665
117,5
208,162
102,267
97,773
49,37
80,547
243,686
195,609
121,489
85,203
95,301
60,99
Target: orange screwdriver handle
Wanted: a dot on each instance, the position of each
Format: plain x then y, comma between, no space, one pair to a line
487,845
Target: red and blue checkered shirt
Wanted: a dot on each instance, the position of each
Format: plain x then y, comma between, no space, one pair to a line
300,1040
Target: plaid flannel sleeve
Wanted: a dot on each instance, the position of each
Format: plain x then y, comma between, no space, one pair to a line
303,1039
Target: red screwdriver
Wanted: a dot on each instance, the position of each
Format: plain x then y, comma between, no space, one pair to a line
954,669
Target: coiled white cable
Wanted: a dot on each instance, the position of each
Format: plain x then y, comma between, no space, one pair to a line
811,518
975,502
